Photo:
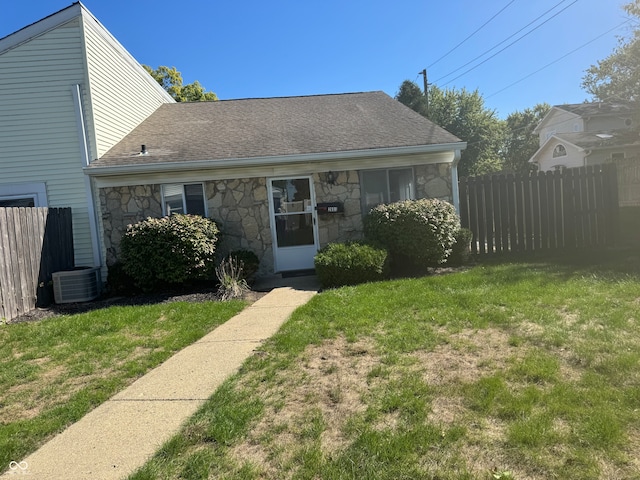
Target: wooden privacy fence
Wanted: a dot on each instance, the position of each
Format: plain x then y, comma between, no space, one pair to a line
34,243
573,208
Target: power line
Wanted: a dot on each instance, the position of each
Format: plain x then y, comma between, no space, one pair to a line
512,43
503,41
558,59
481,27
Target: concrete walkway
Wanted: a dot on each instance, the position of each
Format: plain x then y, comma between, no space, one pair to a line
119,436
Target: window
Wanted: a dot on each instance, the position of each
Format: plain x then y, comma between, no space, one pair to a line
386,186
559,151
23,195
178,198
617,156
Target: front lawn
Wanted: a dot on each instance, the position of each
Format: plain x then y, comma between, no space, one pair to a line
54,371
523,370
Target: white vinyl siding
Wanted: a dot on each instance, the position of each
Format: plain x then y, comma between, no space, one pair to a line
122,93
38,128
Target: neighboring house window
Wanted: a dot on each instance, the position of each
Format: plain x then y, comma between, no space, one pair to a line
617,156
559,151
189,198
386,186
17,202
23,195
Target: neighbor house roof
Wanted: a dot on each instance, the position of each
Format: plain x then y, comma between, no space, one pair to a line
275,127
593,109
593,141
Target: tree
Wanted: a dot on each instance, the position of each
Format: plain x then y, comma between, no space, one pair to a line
171,81
617,77
520,143
464,114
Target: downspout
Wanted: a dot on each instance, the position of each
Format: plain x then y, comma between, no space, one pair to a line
455,190
76,92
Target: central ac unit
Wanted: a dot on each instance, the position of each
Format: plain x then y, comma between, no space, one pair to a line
81,285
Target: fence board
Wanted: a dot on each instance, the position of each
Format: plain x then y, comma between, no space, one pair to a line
553,210
34,243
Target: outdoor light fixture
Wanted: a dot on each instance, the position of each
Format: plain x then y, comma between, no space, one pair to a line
143,150
330,178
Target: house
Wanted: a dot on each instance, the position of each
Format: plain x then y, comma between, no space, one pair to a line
584,134
63,103
281,176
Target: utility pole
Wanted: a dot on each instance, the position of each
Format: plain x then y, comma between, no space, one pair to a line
426,88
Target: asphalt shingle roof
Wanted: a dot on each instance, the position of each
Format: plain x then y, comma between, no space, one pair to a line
593,109
266,127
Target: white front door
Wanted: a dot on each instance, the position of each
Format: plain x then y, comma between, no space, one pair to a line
293,223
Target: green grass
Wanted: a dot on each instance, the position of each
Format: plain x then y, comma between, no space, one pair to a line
53,372
525,369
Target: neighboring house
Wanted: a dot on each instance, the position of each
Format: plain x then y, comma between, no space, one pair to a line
83,125
68,93
587,134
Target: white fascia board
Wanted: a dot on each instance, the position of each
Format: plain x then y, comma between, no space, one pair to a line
40,27
271,161
88,17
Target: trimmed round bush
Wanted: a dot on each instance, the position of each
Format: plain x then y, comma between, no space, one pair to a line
420,232
351,263
171,250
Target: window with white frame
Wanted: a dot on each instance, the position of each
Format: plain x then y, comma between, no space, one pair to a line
559,151
184,198
386,186
23,195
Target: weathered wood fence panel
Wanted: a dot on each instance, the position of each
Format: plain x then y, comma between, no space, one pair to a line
34,243
573,208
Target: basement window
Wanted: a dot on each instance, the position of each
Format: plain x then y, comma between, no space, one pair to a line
386,186
184,198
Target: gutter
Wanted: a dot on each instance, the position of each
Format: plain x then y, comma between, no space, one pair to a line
173,166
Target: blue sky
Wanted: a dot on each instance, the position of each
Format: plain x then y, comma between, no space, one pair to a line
250,48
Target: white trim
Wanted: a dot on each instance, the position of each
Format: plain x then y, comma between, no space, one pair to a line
76,93
37,191
273,161
40,27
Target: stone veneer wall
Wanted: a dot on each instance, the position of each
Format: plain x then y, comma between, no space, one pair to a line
434,181
122,206
241,209
339,227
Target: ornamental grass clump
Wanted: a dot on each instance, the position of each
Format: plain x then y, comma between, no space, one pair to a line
417,233
174,250
352,263
231,278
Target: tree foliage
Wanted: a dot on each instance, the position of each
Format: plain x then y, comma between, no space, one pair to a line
171,80
617,77
492,144
464,114
520,143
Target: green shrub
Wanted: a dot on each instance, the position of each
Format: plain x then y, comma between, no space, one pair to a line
119,282
420,232
351,263
171,250
249,262
461,249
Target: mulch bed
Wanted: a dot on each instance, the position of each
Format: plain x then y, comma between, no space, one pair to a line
194,296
